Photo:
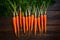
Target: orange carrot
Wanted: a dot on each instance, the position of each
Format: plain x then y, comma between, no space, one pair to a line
29,27
39,24
32,19
42,22
14,25
24,24
17,20
29,22
35,25
45,17
20,19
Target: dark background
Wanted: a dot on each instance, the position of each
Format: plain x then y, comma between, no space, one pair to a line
55,7
53,26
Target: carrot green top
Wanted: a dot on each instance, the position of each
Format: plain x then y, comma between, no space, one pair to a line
14,5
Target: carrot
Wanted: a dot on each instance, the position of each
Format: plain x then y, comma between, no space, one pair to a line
29,20
35,24
45,17
20,19
24,24
32,19
14,25
42,22
26,19
17,20
30,23
39,24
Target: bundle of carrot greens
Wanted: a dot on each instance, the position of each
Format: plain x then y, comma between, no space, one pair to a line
29,15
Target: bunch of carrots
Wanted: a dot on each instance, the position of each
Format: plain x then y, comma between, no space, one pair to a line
27,20
29,23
